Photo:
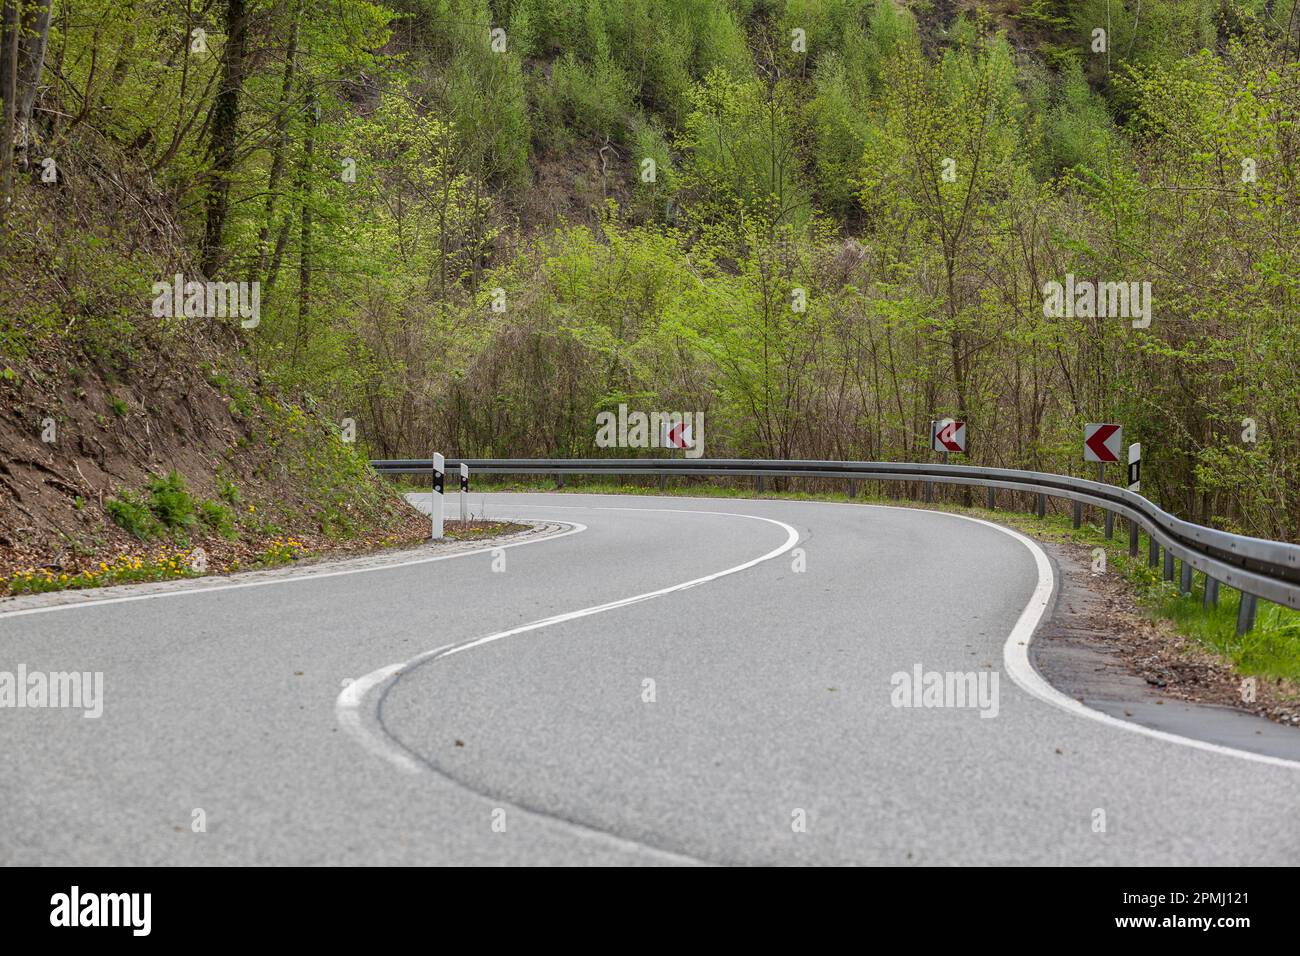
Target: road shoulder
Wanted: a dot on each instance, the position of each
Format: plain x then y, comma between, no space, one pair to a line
1099,648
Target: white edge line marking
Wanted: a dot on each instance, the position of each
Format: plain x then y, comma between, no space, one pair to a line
1015,659
575,528
347,707
1015,652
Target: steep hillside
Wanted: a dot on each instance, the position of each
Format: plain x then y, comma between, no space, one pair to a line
137,447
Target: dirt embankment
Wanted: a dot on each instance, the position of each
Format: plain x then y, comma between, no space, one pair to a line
124,435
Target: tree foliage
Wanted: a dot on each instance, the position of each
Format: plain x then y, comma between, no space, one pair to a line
822,222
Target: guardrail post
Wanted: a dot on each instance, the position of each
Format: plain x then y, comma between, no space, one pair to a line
1078,515
559,480
1169,565
663,482
853,487
1110,524
464,492
993,501
929,491
1153,552
1042,506
762,484
1132,538
1211,598
435,499
1185,581
1246,613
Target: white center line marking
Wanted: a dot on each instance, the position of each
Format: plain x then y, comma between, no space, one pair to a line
348,704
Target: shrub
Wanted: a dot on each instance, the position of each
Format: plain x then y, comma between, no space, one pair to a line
228,491
594,100
218,518
171,503
648,142
133,515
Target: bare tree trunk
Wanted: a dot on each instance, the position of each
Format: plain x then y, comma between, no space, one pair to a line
31,59
258,269
11,23
305,224
281,241
225,128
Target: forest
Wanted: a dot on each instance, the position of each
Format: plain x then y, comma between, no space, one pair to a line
475,226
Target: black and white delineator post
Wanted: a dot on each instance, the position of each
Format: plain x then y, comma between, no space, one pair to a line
464,492
435,509
1135,466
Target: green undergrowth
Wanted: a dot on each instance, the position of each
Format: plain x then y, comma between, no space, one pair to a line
166,507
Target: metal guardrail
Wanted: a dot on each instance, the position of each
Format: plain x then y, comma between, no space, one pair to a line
1257,567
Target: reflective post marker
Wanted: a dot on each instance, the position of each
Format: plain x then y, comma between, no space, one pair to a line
435,500
1134,485
464,492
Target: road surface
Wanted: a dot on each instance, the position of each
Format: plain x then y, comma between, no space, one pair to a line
661,680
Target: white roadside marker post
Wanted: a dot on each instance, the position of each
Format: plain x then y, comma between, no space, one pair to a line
1135,485
464,492
435,511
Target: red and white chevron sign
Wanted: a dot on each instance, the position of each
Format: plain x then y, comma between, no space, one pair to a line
676,435
948,435
1102,442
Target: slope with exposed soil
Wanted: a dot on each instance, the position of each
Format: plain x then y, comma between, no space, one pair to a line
131,441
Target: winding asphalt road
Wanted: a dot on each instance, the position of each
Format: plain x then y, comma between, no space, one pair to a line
491,707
